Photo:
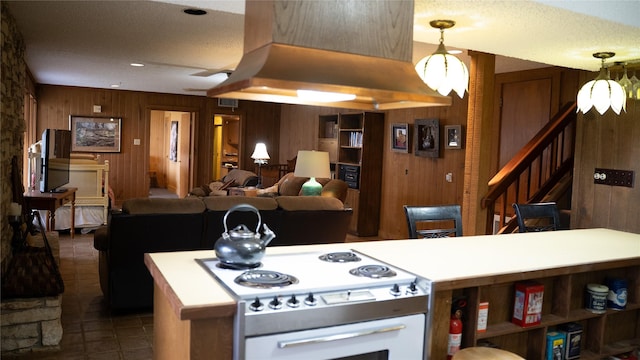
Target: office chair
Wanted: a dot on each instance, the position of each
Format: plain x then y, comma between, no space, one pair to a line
438,215
537,217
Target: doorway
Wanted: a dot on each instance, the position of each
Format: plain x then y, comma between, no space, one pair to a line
169,153
226,144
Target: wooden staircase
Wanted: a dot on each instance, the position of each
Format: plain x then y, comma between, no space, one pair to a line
540,171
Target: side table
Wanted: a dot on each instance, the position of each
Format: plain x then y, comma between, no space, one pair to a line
50,201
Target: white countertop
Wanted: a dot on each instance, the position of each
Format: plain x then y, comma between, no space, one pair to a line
441,260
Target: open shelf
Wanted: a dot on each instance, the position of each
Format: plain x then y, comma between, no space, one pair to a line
605,334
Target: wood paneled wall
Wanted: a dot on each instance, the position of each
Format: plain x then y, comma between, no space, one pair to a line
406,178
602,141
613,142
129,168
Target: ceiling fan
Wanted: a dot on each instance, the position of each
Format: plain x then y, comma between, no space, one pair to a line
202,73
222,73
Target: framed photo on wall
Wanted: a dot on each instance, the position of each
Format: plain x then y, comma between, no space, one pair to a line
427,137
453,137
400,137
95,134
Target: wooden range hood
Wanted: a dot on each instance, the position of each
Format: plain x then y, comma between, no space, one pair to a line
357,47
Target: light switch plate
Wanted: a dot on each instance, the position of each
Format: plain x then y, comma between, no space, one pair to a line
613,177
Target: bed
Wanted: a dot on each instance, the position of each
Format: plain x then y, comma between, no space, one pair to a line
91,176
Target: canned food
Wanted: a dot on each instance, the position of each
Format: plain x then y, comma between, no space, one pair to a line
617,295
596,298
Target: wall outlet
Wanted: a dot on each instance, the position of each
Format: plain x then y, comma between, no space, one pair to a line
613,177
449,177
136,141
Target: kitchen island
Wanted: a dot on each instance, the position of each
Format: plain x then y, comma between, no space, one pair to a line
193,314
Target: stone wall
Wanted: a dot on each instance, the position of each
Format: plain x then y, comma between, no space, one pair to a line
32,325
26,324
12,126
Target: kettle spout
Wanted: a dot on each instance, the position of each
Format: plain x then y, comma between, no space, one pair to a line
267,236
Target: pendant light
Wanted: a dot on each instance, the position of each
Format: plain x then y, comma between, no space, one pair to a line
626,84
442,71
602,92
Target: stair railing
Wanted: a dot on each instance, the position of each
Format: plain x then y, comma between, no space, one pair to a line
534,170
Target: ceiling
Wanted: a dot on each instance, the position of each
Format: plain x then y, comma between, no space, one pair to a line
93,43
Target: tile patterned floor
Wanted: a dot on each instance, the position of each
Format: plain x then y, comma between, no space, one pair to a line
90,330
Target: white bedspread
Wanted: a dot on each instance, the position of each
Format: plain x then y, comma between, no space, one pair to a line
88,218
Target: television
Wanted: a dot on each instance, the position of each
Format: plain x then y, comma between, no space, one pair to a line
55,155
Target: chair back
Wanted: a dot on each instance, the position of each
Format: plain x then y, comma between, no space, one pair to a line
537,217
440,215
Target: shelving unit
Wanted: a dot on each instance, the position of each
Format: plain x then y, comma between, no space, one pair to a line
360,145
328,137
612,333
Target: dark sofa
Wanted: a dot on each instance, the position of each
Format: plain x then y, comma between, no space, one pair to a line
161,225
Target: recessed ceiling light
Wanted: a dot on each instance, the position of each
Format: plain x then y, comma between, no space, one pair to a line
115,85
194,11
137,64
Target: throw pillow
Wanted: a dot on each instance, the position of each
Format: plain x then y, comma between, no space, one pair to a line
215,185
290,185
227,184
335,188
239,176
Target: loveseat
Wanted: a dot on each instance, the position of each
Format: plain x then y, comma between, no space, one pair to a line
193,223
288,185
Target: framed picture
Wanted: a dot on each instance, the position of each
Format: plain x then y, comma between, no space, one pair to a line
95,134
453,137
427,137
400,137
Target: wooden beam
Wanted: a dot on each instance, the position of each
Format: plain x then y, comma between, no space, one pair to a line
479,139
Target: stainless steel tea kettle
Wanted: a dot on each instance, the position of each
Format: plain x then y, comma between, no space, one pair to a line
241,247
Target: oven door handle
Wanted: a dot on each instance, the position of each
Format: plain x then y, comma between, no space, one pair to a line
346,335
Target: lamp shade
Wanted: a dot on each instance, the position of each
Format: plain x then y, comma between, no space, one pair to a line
260,152
602,92
443,73
312,164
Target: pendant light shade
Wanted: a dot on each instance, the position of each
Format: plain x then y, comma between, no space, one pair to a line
442,71
602,92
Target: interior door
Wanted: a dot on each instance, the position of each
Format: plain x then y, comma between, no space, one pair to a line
171,150
525,110
526,106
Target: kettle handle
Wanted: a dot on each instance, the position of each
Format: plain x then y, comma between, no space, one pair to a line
242,207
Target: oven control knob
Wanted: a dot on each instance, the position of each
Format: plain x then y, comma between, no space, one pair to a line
413,289
275,304
395,290
293,302
256,305
310,300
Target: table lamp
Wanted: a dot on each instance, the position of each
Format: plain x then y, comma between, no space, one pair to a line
312,164
260,157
